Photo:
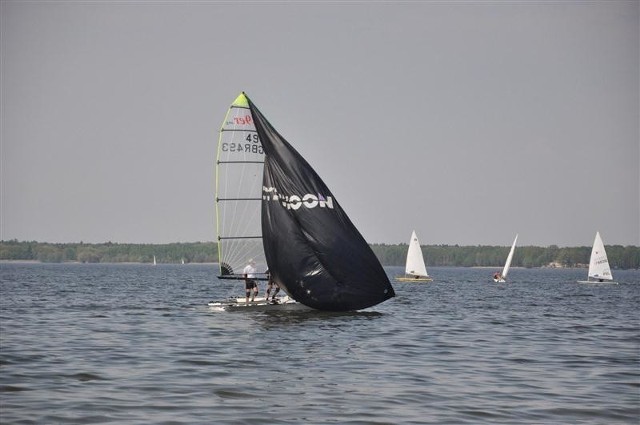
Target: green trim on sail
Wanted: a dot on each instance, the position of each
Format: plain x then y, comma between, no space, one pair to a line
241,101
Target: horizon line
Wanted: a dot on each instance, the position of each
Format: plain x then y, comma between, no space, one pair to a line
369,243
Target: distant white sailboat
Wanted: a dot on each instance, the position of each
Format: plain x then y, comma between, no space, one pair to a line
502,277
154,260
415,269
599,270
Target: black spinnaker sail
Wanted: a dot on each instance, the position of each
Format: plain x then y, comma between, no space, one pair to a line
312,249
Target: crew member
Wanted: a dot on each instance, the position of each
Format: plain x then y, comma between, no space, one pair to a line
250,284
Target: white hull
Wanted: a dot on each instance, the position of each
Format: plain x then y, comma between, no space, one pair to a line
414,279
597,282
258,302
499,281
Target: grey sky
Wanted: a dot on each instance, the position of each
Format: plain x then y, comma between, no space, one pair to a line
466,121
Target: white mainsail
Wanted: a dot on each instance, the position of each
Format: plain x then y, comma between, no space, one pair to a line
239,167
507,264
599,263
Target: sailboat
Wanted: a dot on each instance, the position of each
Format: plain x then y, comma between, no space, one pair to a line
154,261
599,270
415,269
311,248
502,277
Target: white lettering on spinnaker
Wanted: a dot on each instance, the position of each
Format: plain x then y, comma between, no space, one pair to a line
294,202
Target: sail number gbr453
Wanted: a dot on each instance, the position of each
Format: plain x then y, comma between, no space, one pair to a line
252,146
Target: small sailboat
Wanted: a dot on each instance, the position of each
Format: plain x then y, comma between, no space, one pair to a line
286,216
502,277
415,269
599,270
154,261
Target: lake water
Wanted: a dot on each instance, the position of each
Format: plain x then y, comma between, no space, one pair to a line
137,344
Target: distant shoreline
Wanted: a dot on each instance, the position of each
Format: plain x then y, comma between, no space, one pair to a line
620,257
105,263
215,264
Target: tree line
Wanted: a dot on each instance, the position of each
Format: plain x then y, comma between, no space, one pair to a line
620,257
196,252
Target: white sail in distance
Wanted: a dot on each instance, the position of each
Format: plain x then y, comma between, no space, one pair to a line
599,263
507,264
415,261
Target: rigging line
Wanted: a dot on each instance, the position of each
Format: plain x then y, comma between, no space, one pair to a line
238,237
240,162
238,199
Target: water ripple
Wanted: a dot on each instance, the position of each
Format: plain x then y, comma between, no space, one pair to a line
132,344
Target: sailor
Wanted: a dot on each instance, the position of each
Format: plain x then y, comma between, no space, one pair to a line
250,284
271,284
497,276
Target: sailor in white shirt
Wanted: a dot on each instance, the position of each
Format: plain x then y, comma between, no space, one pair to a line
250,284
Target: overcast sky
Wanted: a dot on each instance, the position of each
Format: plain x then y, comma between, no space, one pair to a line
466,121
